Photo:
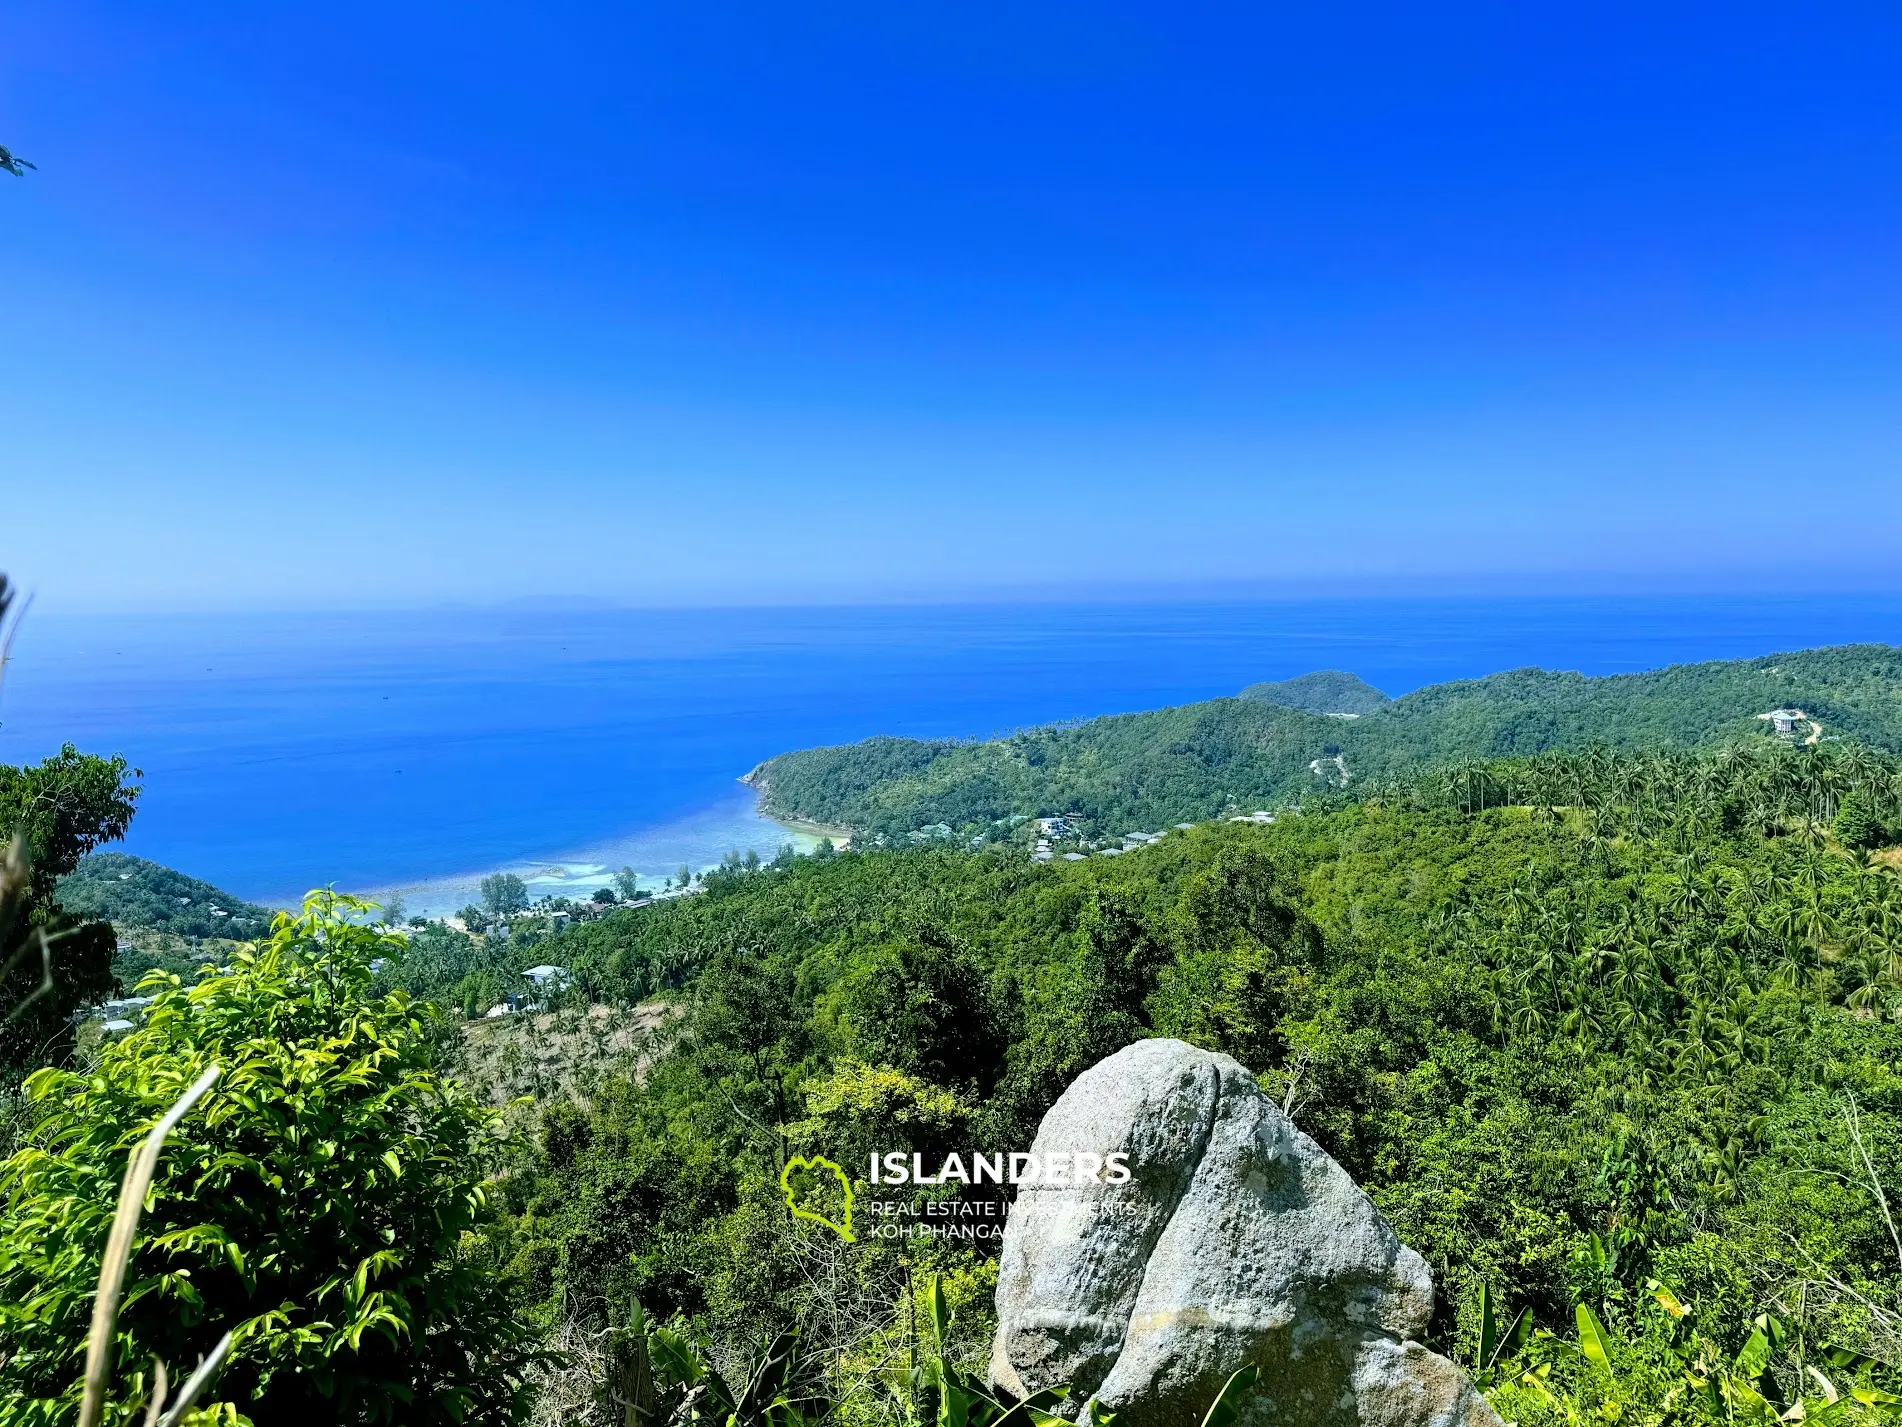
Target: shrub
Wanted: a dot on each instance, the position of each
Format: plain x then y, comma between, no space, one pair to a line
322,1203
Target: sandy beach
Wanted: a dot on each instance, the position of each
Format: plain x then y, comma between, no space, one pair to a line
698,841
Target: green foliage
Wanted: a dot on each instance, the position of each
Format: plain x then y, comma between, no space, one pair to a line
504,894
1331,691
666,1375
60,809
1574,1021
65,806
1496,1350
1859,825
458,972
132,892
322,1203
1666,1366
1153,769
920,1005
947,1395
1233,1397
1579,1021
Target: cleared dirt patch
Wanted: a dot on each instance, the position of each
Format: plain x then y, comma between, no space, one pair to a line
563,1054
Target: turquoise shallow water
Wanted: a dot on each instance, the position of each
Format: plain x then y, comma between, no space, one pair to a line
420,750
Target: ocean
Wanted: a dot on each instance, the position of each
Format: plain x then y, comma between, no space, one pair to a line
415,752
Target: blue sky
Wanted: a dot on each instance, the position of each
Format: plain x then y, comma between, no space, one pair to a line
364,304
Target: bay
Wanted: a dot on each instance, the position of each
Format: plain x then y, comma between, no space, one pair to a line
418,750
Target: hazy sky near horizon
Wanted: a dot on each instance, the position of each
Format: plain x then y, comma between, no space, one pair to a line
366,303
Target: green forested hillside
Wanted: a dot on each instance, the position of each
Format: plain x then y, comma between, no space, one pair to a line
1330,691
1610,1038
132,892
1151,769
1581,1026
159,917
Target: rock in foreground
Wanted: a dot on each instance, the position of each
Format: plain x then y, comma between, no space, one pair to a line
1236,1240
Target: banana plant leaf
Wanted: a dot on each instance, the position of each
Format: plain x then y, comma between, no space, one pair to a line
1515,1340
1848,1359
1593,1340
769,1377
1233,1396
1488,1329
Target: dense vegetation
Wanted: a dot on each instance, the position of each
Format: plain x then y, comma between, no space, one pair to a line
1149,770
1610,1035
116,887
1330,691
1579,1024
53,813
320,1204
160,920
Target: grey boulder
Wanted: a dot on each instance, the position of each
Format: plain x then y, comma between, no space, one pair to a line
1236,1239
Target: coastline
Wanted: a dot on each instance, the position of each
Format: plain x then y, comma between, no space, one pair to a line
838,833
698,840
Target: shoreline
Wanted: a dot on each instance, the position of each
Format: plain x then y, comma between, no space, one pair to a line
698,840
839,834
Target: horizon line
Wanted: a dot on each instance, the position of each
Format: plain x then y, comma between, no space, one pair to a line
1596,585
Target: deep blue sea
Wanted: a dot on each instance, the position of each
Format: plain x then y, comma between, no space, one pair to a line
418,751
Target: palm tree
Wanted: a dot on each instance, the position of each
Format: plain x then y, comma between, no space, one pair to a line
1867,976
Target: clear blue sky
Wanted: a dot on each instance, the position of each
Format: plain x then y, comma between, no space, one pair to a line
347,304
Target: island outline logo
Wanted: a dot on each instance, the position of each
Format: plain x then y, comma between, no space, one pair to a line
817,1164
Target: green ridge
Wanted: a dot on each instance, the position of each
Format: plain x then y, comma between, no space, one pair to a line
1147,770
132,892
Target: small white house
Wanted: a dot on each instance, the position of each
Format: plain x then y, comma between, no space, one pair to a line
549,978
